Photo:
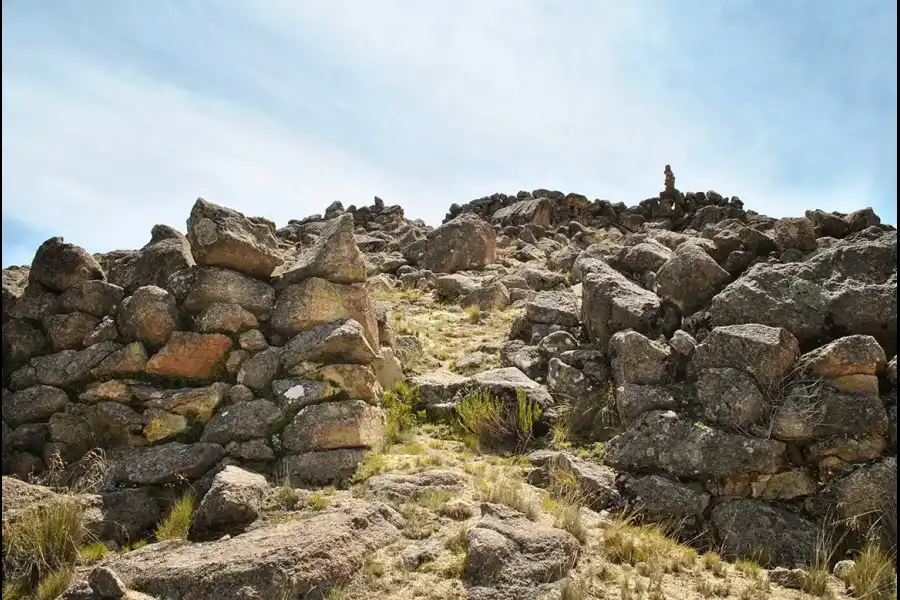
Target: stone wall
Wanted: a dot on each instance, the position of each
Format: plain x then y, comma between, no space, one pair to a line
223,346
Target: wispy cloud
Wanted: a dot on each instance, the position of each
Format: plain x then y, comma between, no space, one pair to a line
116,116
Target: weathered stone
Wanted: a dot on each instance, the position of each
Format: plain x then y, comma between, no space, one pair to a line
863,497
305,556
71,436
767,353
106,584
646,256
783,486
387,368
636,359
255,450
225,318
130,358
730,398
192,355
166,253
661,500
198,403
60,266
113,390
527,359
317,301
851,288
221,237
22,340
335,257
167,463
67,331
795,233
334,467
448,288
505,382
757,531
162,425
850,355
29,437
847,447
342,424
208,286
815,413
554,308
465,243
243,422
253,340
398,488
488,296
294,394
690,279
259,370
438,387
150,315
634,400
31,302
95,297
232,502
682,448
611,303
338,341
353,381
105,331
234,360
33,405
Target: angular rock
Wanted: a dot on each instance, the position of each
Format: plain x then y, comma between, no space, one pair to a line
329,467
167,252
646,256
448,288
405,488
611,303
253,341
106,584
504,382
317,301
95,297
60,266
338,341
636,359
254,450
221,237
198,403
661,500
150,315
488,296
208,286
353,381
465,243
861,498
191,355
22,340
690,279
682,448
850,288
849,355
757,531
331,425
67,331
527,359
553,308
784,486
335,257
129,359
225,318
231,504
33,405
795,233
634,400
817,413
730,398
167,463
305,556
387,368
437,387
243,422
259,370
30,437
162,425
767,353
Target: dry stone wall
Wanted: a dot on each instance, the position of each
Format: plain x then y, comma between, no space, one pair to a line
225,346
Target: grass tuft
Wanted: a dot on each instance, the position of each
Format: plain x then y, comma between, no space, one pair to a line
53,585
493,423
177,523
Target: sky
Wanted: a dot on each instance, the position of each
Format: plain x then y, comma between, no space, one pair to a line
118,115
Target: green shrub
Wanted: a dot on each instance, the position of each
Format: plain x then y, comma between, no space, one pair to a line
401,416
493,422
177,523
53,585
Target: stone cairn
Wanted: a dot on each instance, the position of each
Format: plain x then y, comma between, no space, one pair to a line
226,346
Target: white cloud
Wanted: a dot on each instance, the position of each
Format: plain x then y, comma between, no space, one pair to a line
517,93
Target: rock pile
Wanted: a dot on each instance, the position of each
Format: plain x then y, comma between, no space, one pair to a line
222,347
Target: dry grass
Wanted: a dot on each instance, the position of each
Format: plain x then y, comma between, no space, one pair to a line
53,585
504,488
177,523
625,541
874,575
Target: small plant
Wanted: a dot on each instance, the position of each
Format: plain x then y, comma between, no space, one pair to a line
457,543
473,313
53,585
504,489
748,567
419,523
372,464
630,543
574,589
93,552
715,564
42,541
177,523
130,547
492,422
317,501
400,414
874,575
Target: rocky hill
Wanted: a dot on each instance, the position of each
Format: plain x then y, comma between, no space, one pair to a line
544,397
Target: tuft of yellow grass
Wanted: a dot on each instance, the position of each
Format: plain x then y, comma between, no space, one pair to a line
177,523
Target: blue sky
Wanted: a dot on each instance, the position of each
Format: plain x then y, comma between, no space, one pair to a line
118,115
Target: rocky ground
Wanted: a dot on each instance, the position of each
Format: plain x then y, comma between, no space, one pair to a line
545,397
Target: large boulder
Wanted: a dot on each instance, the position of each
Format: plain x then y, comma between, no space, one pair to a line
730,398
203,287
168,463
192,355
504,383
22,340
850,288
232,502
60,266
167,252
553,308
335,257
342,341
849,355
681,447
538,211
221,237
33,405
690,279
796,233
326,467
612,303
340,424
63,369
863,497
317,301
94,297
67,331
150,316
764,533
242,422
767,353
810,412
465,243
290,559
